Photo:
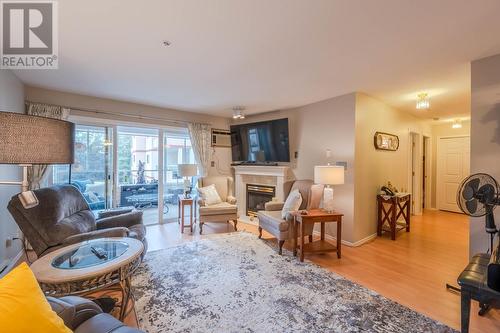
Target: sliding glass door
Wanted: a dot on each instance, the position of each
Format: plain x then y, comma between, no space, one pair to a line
177,150
145,168
137,168
91,172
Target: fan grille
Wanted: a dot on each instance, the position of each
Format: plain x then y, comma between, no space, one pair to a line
476,192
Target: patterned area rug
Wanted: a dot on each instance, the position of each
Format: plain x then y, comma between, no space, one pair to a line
236,283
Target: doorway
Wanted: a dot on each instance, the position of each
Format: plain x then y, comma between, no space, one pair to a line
453,165
426,173
415,174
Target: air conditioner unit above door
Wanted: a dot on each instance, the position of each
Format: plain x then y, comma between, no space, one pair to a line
221,138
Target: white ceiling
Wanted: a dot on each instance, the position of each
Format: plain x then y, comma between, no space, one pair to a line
271,54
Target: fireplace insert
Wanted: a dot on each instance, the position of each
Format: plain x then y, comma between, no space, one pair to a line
257,196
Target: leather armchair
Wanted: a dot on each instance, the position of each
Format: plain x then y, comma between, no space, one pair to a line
84,316
63,217
223,212
282,228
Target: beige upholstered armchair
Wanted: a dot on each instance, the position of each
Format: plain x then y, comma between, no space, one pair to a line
270,219
221,212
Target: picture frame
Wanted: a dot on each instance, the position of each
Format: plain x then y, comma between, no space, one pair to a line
386,141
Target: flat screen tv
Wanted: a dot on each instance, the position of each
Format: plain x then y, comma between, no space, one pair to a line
261,142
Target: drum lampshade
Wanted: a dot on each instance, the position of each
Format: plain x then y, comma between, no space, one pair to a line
26,139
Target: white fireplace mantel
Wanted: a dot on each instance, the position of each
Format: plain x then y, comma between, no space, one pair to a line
259,175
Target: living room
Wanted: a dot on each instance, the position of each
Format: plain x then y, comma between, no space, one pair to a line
183,178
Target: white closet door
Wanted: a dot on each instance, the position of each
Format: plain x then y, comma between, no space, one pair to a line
453,165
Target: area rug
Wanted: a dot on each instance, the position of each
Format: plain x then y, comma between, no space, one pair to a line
236,283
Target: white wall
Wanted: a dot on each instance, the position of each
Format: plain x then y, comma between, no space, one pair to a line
485,136
440,131
11,99
222,155
314,128
375,167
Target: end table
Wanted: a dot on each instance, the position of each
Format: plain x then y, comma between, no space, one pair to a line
390,209
311,217
183,202
78,269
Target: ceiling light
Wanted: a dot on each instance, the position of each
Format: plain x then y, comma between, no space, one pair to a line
457,124
238,112
423,101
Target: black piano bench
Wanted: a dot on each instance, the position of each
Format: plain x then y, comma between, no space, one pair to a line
474,286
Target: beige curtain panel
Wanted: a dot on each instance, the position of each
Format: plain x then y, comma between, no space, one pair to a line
200,141
37,173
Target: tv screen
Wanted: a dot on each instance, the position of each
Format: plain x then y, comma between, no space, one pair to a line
265,141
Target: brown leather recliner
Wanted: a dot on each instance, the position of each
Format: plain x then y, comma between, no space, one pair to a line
63,217
84,316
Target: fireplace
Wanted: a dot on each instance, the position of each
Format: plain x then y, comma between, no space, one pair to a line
257,196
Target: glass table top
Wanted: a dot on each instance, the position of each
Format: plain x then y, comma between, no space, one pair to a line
90,253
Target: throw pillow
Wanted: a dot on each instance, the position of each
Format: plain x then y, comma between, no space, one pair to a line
23,306
292,203
209,195
92,196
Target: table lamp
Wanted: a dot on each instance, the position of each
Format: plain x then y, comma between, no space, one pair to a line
328,175
26,140
187,171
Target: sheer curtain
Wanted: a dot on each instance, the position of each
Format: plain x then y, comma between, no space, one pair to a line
37,173
200,141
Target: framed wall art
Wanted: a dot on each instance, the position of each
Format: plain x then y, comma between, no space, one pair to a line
386,141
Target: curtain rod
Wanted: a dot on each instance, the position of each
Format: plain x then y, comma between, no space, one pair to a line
122,114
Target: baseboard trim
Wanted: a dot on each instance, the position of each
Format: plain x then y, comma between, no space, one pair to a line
344,242
255,221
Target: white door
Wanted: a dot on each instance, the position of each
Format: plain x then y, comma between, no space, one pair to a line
453,165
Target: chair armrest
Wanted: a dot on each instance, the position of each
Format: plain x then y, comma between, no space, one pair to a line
123,220
74,310
273,205
84,308
64,310
230,199
111,232
114,212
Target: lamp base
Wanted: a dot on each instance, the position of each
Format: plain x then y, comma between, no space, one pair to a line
328,199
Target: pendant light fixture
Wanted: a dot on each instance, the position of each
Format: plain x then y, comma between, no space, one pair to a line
423,102
238,112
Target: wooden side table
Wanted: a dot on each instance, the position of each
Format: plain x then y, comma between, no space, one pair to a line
312,217
182,203
390,209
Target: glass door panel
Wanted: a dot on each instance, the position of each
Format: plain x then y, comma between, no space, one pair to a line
138,171
92,168
177,150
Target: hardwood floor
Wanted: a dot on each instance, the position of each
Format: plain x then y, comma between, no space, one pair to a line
412,270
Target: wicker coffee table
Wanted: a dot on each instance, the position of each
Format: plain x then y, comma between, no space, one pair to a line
86,267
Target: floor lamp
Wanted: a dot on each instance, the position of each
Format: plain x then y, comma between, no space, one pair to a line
26,140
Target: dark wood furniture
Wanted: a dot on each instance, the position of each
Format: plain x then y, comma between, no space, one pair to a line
182,203
475,284
311,217
390,209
